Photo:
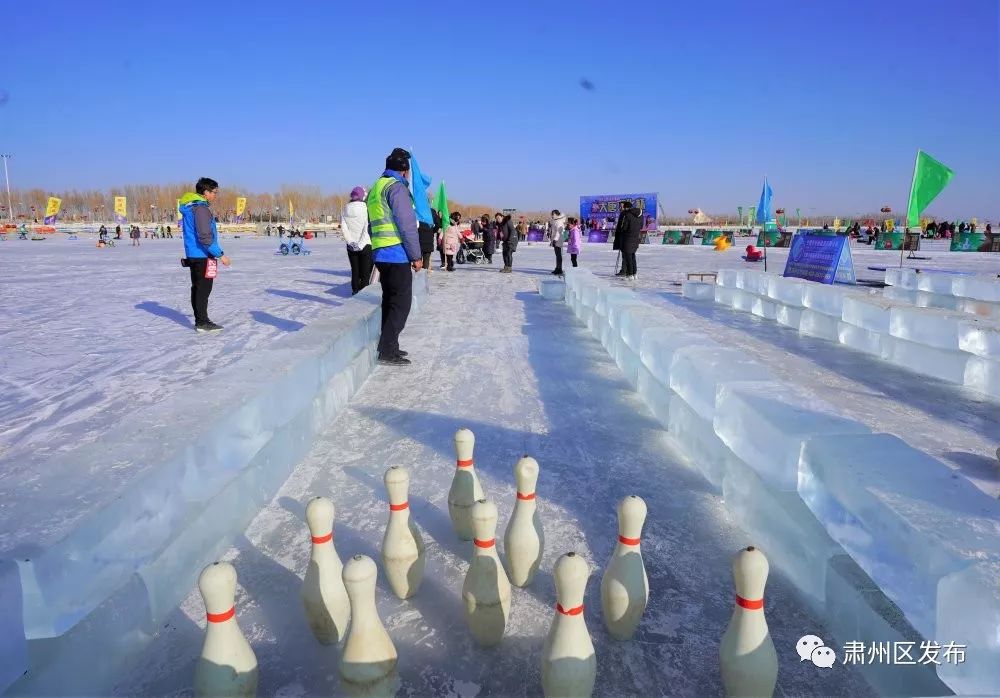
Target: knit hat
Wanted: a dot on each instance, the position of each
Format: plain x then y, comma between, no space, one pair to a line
398,160
358,194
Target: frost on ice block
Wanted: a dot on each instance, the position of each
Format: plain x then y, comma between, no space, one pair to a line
659,345
930,326
697,372
766,423
905,517
944,364
968,612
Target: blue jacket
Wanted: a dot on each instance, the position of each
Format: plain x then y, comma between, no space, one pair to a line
401,203
201,236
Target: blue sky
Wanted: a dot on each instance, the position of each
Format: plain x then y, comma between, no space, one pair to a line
694,100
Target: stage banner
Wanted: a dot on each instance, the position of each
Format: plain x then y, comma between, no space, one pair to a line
598,236
604,206
52,210
775,238
889,241
710,236
677,237
975,242
822,258
241,206
121,209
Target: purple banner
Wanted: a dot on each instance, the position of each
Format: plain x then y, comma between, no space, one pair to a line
597,236
535,235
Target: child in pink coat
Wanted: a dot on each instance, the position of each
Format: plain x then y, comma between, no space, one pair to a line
453,239
575,239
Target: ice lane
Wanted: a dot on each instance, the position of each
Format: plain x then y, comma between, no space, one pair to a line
490,354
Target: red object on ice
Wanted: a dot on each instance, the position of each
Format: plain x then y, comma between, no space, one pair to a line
753,254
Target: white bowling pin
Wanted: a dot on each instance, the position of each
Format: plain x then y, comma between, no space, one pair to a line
486,591
569,664
465,488
227,665
368,662
402,546
324,596
747,657
524,541
624,586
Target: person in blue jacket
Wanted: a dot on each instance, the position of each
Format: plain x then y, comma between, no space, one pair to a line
201,248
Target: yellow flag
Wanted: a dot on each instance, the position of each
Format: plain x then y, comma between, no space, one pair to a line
52,210
836,223
121,209
241,205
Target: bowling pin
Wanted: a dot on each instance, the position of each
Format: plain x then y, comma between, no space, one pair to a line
227,665
368,662
465,488
324,596
486,591
402,546
625,587
569,664
524,540
747,657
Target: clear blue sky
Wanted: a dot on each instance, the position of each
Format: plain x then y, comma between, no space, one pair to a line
694,100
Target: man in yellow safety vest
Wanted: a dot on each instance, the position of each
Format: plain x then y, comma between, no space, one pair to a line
395,251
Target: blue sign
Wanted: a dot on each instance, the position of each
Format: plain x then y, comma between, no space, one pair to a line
605,206
822,258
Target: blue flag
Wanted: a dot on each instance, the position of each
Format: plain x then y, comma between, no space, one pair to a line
421,183
764,207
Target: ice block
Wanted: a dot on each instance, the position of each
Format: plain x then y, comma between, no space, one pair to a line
816,324
943,364
859,338
658,347
930,326
788,315
977,287
697,371
698,290
787,290
936,283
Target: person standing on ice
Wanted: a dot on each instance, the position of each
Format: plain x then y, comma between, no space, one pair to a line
575,240
629,232
201,248
354,226
557,226
508,235
489,238
396,248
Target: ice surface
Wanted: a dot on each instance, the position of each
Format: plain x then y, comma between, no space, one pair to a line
788,315
764,308
983,375
698,290
552,289
816,324
828,298
901,278
968,612
869,312
13,646
766,423
786,290
901,514
697,372
981,338
930,326
783,525
938,363
978,288
936,283
660,344
868,341
698,442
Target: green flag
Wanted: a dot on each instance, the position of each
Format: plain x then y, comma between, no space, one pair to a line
929,178
441,205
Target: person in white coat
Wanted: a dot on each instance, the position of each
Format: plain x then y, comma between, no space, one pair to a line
557,228
354,226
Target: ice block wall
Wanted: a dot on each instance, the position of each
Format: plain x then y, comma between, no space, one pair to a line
223,458
814,487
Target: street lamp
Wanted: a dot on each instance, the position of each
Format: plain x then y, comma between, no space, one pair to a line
6,177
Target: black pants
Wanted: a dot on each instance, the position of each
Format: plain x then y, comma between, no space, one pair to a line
361,267
441,252
558,259
508,256
201,289
572,258
397,295
628,263
427,259
451,261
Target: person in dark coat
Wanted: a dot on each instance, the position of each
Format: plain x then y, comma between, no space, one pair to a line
489,238
630,232
507,234
428,237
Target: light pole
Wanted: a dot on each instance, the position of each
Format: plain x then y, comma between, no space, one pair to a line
6,177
